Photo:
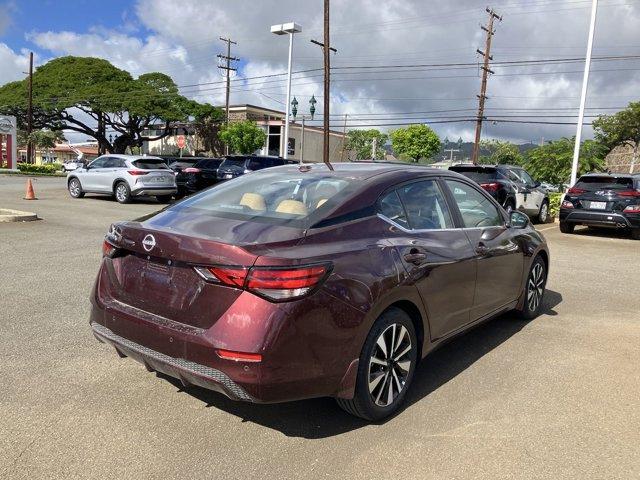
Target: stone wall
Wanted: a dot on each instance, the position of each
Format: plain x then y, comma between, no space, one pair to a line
619,160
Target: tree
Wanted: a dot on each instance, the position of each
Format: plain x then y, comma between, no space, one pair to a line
622,128
243,137
500,153
41,138
91,96
361,142
415,142
552,162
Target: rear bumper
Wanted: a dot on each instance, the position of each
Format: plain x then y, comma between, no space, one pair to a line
152,191
599,219
189,373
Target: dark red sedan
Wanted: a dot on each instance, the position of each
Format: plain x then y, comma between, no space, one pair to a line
299,282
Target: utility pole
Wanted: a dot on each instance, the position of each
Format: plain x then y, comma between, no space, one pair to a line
30,112
326,48
374,148
583,96
485,73
302,142
344,137
227,59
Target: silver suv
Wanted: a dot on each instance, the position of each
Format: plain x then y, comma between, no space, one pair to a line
125,177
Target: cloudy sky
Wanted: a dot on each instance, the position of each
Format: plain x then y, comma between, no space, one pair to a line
422,37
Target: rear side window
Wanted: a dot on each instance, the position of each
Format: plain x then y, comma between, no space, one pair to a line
604,183
391,207
233,162
476,209
150,164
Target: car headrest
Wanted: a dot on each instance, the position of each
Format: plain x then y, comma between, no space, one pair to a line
321,202
292,207
254,201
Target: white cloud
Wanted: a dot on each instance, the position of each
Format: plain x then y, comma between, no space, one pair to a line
13,64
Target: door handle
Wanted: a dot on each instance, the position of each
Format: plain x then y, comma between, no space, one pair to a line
415,257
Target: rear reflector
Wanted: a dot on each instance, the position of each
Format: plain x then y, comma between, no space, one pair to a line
274,283
107,249
567,204
632,209
629,193
239,356
490,187
191,170
576,191
136,172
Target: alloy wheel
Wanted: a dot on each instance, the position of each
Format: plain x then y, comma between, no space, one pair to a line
544,212
535,287
74,188
389,365
121,192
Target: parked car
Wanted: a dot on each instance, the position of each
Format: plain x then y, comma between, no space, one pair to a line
297,282
179,165
236,165
549,187
203,174
511,186
603,200
71,165
125,177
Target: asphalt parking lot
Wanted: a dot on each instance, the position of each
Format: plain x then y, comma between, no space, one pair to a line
557,397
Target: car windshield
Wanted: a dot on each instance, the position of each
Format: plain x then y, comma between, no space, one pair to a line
278,198
150,164
604,183
477,174
208,163
235,162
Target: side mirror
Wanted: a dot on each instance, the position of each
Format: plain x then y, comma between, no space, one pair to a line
536,184
518,220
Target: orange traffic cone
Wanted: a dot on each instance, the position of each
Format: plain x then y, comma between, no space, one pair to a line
30,194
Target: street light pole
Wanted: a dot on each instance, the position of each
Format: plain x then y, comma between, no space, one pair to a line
583,97
287,28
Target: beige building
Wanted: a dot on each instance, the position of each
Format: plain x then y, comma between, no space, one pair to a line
272,122
59,154
620,160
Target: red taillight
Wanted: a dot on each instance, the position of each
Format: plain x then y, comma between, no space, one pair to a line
239,356
275,283
629,193
576,191
107,249
191,170
490,187
632,209
136,172
567,204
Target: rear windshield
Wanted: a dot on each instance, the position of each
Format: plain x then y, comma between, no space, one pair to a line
604,183
233,162
208,163
295,199
150,164
479,175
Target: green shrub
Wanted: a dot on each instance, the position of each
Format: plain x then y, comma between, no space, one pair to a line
554,204
31,168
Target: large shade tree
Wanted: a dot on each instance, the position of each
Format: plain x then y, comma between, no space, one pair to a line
415,142
93,97
622,128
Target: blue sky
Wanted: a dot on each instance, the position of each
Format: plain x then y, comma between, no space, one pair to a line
78,16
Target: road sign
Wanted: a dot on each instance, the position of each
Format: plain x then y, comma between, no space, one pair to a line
181,141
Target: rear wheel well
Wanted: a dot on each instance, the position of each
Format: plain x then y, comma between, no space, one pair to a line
416,318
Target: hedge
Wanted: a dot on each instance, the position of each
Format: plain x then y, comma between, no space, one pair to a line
32,168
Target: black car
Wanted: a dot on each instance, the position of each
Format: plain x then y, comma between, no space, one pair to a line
236,165
511,186
203,174
603,200
178,165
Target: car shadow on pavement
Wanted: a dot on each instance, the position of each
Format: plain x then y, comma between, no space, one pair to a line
602,232
322,418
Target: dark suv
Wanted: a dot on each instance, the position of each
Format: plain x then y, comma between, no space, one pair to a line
511,186
236,165
603,200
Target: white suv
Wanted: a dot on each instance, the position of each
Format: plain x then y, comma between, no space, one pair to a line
125,177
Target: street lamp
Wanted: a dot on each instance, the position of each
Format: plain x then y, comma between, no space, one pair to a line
312,106
294,108
284,29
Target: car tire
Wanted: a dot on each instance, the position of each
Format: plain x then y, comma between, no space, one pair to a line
543,214
75,188
567,227
534,289
122,192
164,198
382,381
635,233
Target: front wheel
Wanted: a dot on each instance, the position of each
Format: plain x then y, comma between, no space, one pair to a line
543,215
534,289
75,189
387,364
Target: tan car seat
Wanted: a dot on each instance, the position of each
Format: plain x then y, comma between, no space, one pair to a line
254,201
293,207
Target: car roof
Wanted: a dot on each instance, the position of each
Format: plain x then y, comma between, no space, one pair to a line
609,174
131,157
501,165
